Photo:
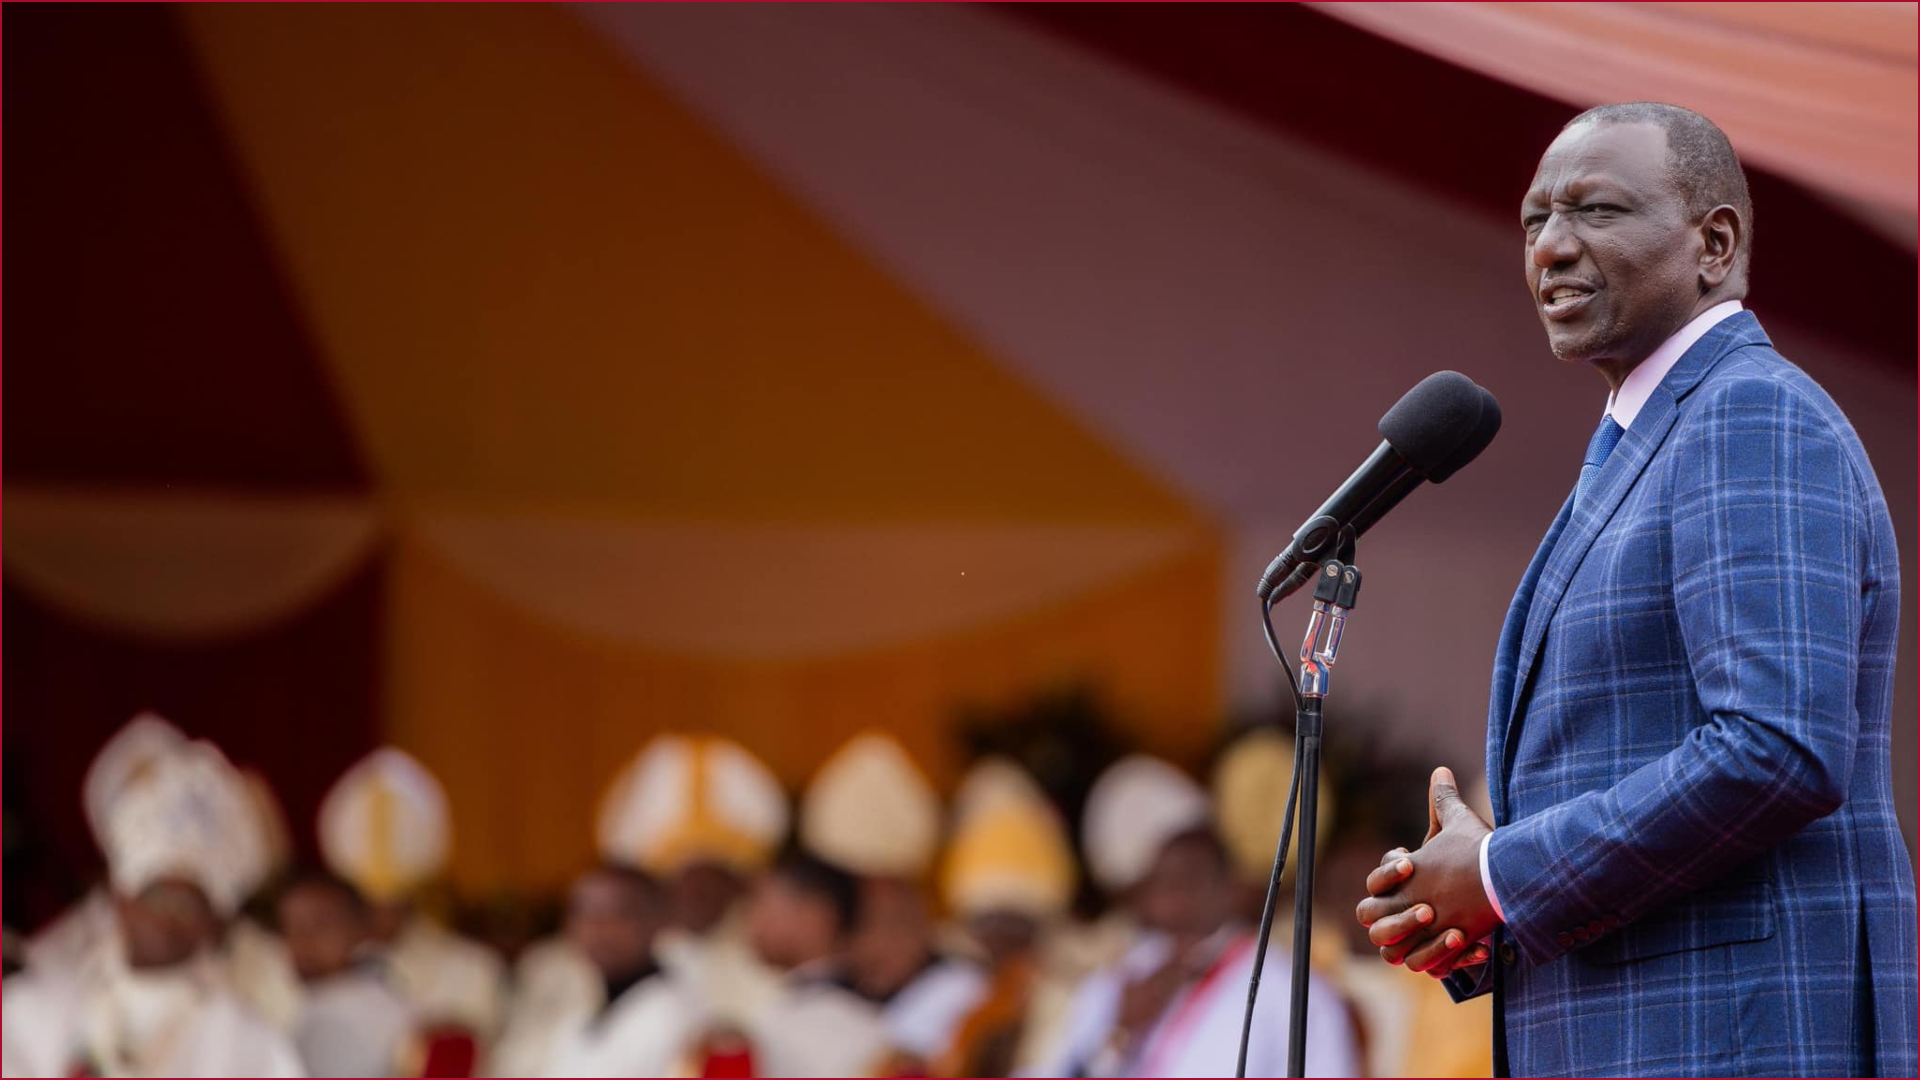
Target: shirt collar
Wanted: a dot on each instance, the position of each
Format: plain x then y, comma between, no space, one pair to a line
1642,380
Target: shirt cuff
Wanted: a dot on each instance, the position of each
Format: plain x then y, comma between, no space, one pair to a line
1486,879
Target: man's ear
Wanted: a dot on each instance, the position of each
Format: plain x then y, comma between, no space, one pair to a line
1722,233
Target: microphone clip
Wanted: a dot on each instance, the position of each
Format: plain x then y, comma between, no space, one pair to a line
1336,589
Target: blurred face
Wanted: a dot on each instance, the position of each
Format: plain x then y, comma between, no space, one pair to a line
322,928
894,939
387,919
1613,260
1187,893
613,919
703,893
1003,935
790,926
167,923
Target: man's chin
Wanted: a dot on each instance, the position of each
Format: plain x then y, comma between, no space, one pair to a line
1575,348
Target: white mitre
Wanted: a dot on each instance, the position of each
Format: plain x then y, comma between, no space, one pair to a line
125,758
190,818
870,810
1136,806
385,826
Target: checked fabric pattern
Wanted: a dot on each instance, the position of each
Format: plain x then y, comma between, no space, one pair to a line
1689,740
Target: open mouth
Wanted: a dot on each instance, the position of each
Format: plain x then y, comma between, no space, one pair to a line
1565,300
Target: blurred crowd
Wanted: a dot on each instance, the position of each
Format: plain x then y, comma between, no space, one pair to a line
864,929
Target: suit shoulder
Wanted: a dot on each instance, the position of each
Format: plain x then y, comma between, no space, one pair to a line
1756,377
1755,387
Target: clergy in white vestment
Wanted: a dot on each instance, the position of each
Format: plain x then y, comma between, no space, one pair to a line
1173,1004
702,815
129,756
799,920
385,827
555,987
352,1021
152,999
870,810
256,960
699,815
646,1022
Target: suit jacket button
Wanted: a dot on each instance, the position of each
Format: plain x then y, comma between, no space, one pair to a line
1566,940
1508,954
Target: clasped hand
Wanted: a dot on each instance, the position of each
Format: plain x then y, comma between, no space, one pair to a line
1428,909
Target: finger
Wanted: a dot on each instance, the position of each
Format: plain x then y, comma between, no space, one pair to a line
1396,953
1388,876
1445,796
1438,952
1478,953
1374,908
1396,853
1394,928
1433,809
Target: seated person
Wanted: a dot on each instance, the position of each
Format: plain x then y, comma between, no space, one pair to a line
800,921
892,961
1172,1005
352,1022
642,1025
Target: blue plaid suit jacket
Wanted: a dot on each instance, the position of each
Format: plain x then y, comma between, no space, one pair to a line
1688,746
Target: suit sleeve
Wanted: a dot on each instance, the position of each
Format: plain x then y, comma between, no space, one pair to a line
1470,983
1769,538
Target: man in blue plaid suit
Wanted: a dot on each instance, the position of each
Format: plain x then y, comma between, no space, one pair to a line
1697,868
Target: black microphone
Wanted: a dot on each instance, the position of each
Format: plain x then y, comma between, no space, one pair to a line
1437,427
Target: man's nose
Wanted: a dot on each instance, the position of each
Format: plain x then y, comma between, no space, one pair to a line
1555,245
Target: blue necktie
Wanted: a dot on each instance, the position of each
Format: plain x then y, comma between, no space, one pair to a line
1599,448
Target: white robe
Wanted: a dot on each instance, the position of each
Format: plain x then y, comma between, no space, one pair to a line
60,948
555,990
115,1022
720,969
261,972
924,1016
355,1024
1198,1034
647,1031
814,1028
448,978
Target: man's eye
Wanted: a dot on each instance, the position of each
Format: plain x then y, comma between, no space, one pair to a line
1604,208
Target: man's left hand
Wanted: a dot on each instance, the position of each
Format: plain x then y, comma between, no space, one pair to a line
1441,889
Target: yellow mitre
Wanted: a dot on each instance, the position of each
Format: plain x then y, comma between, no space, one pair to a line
692,798
1009,851
1250,784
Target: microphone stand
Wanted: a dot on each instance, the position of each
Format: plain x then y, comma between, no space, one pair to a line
1336,589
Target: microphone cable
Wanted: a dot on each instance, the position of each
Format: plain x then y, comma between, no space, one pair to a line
1286,836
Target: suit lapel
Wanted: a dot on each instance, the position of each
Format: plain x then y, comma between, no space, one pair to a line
1623,468
1506,659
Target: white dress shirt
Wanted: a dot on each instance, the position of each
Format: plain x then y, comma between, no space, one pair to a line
1624,405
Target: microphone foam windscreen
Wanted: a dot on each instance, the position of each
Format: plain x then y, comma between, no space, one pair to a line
1441,424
